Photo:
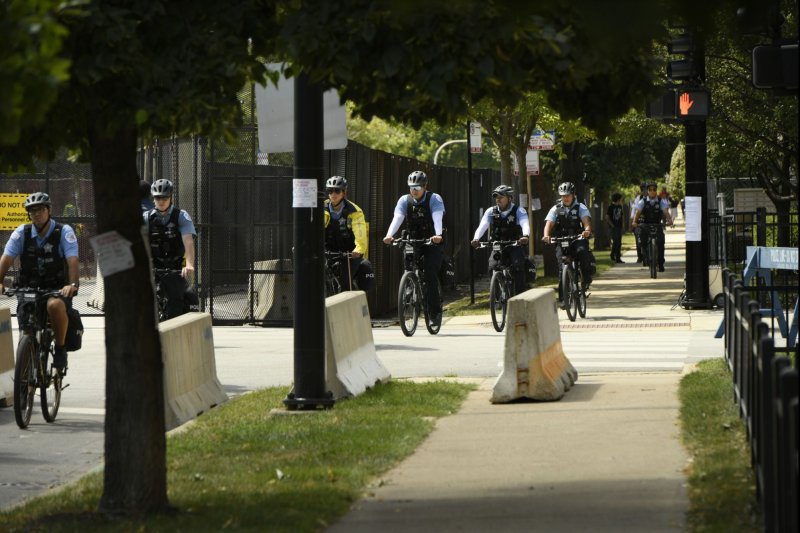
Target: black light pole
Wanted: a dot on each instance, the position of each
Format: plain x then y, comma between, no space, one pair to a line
697,296
471,208
309,287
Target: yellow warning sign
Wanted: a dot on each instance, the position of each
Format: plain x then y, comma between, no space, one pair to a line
12,211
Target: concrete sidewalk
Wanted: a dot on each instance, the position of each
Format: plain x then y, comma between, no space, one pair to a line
606,457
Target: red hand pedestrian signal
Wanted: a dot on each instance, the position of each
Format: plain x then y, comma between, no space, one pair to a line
685,103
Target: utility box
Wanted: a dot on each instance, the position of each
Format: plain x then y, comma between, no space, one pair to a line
715,285
274,291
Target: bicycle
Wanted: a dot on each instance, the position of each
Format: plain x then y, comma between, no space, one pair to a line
651,250
333,269
411,291
34,358
162,298
573,297
501,286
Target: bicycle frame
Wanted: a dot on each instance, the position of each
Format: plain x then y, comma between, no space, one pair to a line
37,330
501,286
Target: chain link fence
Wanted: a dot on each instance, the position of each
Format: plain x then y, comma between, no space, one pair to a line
241,204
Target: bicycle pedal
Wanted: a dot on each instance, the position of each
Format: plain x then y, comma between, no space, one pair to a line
64,386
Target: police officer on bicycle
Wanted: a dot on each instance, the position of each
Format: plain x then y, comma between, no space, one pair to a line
652,210
508,222
171,233
570,217
423,212
48,252
346,231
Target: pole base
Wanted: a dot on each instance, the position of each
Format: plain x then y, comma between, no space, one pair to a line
696,304
294,403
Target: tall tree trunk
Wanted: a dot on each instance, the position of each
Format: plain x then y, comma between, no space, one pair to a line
135,442
506,167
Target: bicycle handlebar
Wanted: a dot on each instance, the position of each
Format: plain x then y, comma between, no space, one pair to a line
486,244
406,240
566,238
40,293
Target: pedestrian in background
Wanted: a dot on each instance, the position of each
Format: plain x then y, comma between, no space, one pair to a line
614,220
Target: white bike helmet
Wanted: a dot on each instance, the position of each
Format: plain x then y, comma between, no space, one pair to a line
566,188
417,177
37,198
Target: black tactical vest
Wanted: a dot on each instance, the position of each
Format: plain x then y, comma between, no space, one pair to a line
166,242
505,228
568,219
651,212
419,218
339,236
42,267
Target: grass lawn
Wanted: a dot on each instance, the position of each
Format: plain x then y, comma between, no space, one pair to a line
238,467
721,480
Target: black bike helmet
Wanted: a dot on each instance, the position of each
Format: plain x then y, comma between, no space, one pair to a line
336,182
37,198
162,187
566,188
417,177
503,190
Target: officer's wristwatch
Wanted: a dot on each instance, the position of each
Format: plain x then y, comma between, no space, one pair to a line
74,285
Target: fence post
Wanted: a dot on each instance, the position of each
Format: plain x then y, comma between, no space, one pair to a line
761,226
765,467
778,433
736,343
787,449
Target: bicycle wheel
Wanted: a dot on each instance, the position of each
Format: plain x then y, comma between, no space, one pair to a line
332,284
497,301
408,303
49,385
570,294
652,250
581,295
433,327
24,380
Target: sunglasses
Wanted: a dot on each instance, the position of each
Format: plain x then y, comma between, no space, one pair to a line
159,198
332,191
652,188
415,187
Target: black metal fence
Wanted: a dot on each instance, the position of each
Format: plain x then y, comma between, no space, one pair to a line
240,202
765,385
732,232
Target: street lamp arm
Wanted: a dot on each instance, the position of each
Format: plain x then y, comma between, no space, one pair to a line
436,155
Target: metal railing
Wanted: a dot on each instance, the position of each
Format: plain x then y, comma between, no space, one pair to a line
765,386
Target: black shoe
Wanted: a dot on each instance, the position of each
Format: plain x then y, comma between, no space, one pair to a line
661,268
618,261
60,359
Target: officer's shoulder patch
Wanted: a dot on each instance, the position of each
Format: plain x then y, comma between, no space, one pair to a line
70,237
15,236
186,214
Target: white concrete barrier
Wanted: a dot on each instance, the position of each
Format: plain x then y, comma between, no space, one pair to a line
98,297
274,292
352,364
191,386
6,358
534,364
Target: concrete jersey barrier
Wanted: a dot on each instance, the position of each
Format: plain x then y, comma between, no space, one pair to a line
191,386
6,358
534,363
352,364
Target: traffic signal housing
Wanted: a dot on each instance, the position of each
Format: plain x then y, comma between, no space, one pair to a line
683,69
775,66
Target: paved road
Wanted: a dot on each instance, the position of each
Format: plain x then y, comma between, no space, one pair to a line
630,327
